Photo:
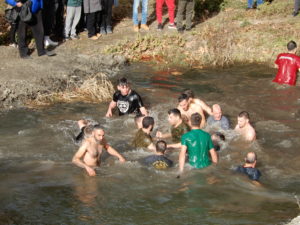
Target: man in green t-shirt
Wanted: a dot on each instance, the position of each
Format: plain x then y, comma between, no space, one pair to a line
178,128
143,138
199,146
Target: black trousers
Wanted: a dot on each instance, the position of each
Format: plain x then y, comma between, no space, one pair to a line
297,5
92,22
36,26
106,13
13,31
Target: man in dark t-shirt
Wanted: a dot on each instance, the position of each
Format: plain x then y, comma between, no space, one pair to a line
142,137
126,100
249,167
159,161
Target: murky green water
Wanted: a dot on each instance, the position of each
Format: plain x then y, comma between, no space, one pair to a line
39,185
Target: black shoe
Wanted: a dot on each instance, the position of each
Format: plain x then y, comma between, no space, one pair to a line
159,27
180,30
295,13
48,53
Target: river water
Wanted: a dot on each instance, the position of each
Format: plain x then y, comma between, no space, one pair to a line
40,185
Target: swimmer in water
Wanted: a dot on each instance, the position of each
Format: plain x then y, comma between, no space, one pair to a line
82,125
216,138
89,153
197,101
218,118
187,108
126,100
142,137
244,127
158,160
249,167
178,128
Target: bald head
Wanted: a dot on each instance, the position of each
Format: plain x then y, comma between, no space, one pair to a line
251,157
217,112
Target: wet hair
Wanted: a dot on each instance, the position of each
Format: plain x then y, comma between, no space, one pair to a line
147,122
291,45
220,136
97,127
175,112
244,114
88,130
189,93
182,97
138,116
251,157
123,82
161,146
196,119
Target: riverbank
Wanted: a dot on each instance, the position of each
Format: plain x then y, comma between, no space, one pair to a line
223,36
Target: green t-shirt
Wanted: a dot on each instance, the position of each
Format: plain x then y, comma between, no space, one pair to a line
177,132
198,144
141,139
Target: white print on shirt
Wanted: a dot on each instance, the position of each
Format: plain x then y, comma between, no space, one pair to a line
123,106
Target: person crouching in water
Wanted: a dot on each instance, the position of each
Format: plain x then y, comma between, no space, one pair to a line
158,160
288,64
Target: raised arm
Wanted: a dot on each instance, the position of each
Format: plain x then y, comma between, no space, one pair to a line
114,152
78,162
182,158
144,111
111,106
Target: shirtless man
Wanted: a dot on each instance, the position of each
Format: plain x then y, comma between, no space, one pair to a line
187,109
244,127
89,153
197,101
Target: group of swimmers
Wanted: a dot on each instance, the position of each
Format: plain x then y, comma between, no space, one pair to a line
186,121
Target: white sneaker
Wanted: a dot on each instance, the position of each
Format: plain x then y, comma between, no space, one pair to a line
48,42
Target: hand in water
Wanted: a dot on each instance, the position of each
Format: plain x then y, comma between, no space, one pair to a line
91,172
122,160
158,134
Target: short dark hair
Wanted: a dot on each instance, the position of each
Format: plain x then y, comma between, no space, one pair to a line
196,119
182,97
244,114
175,112
123,81
97,127
189,93
147,122
88,130
291,45
161,146
220,135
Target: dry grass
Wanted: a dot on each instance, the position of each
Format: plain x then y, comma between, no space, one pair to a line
94,89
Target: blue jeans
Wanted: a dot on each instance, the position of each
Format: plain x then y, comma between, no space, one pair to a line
135,13
251,2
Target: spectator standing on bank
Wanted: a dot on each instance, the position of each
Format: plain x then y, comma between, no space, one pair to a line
186,6
296,7
92,9
136,4
72,18
106,17
49,8
171,10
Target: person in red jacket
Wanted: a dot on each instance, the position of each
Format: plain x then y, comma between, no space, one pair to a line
288,65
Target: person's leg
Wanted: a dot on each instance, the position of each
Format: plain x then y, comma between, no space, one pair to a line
135,12
76,19
171,10
109,16
159,5
180,11
12,33
38,32
259,2
59,19
48,16
250,4
90,24
69,20
144,11
189,14
23,50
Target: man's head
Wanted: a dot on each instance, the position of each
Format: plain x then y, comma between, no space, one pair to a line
189,93
174,116
251,158
148,122
217,112
243,119
88,131
123,86
98,133
291,46
196,120
138,120
161,146
183,101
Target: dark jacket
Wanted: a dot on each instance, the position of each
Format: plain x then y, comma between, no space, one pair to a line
35,6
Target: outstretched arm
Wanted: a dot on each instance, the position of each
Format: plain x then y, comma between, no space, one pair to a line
205,107
161,135
182,158
78,162
111,106
144,111
203,120
114,152
177,145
